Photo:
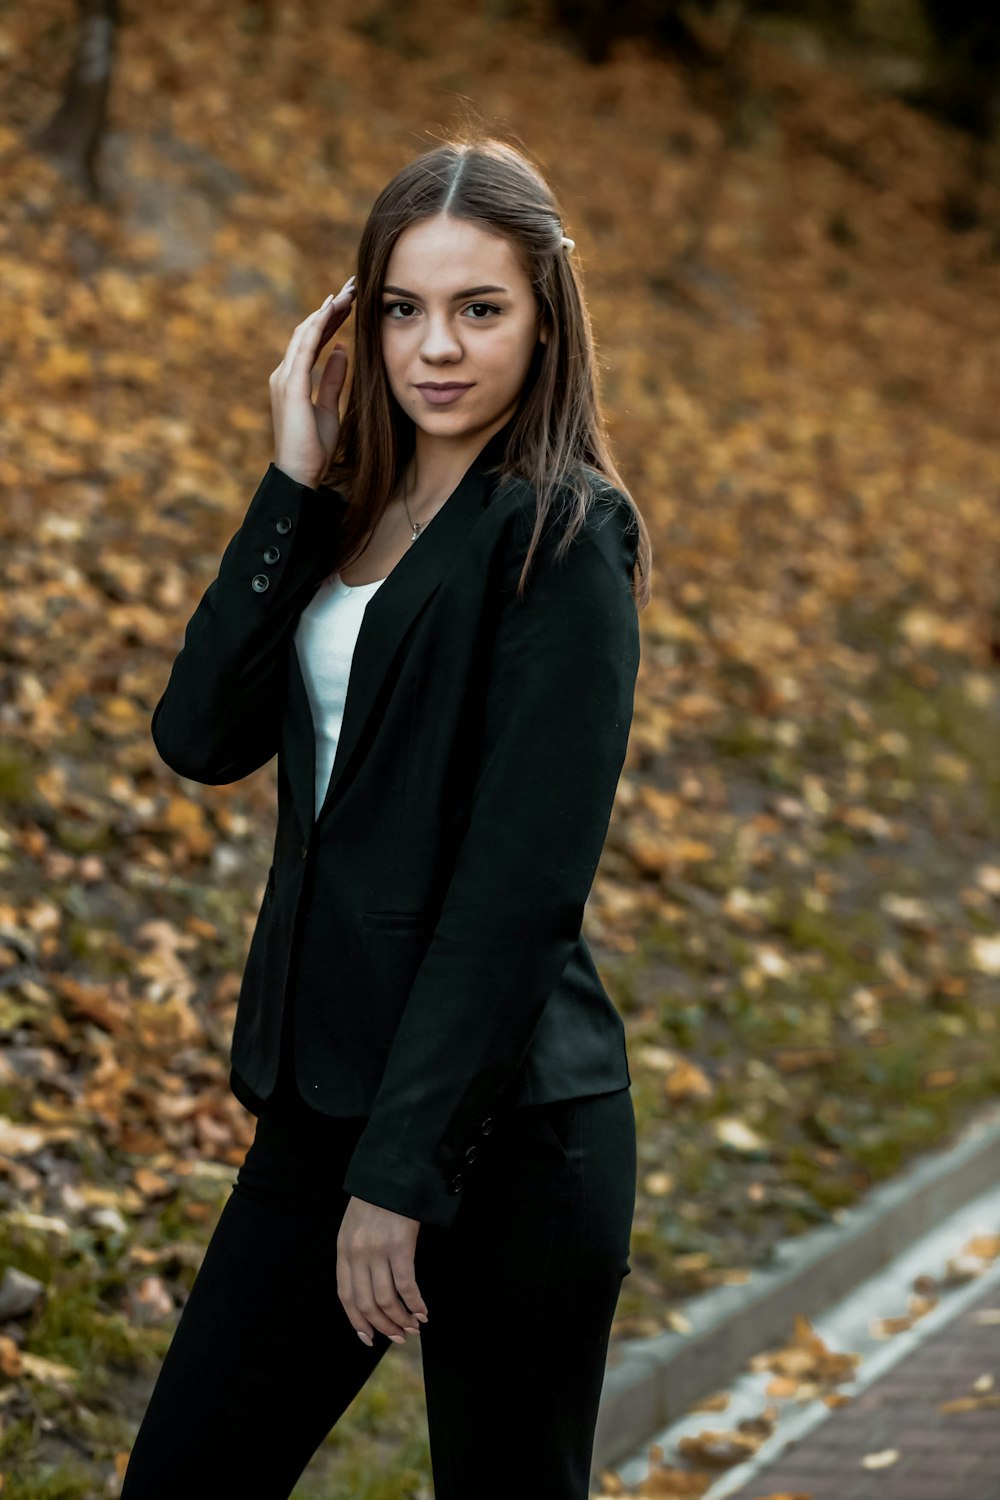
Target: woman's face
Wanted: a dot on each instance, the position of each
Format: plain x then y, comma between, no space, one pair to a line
457,306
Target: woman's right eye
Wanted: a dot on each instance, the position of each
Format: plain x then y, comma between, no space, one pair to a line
390,305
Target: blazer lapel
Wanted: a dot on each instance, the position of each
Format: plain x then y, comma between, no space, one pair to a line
388,616
298,742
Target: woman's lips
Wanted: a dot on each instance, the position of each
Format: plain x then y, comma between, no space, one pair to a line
442,398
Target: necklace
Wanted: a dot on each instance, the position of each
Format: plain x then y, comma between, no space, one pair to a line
418,526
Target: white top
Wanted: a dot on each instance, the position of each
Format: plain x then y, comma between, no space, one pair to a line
325,637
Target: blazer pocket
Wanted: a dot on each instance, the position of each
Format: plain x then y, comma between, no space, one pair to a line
396,921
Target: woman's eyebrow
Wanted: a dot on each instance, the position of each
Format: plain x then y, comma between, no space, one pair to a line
470,291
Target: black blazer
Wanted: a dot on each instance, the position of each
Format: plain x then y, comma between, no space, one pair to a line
426,926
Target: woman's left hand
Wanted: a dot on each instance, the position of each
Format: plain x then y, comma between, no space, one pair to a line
375,1275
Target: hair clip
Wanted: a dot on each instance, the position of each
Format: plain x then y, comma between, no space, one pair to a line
566,243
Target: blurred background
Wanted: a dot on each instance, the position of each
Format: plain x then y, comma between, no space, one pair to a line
788,221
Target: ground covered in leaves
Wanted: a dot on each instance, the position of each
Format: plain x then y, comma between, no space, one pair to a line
798,909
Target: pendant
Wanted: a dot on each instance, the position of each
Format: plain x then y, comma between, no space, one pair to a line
417,526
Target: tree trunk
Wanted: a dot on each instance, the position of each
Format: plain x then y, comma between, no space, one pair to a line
72,137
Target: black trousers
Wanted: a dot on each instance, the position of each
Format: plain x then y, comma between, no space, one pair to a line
520,1289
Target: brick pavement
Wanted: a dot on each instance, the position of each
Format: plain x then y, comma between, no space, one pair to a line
942,1456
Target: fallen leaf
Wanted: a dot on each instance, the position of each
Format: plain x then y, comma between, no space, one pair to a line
881,1460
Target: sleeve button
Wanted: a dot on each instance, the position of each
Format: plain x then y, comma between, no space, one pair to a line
260,582
470,1153
487,1125
272,554
283,525
455,1184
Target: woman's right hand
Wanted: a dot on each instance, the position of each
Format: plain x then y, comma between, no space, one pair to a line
305,434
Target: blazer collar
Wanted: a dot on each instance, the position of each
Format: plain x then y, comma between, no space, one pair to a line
388,615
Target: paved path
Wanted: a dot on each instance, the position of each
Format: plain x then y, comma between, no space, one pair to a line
942,1455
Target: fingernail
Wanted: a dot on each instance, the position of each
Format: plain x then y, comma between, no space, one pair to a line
398,1338
364,1338
420,1317
328,300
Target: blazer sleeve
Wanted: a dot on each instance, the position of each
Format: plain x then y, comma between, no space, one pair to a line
219,717
559,703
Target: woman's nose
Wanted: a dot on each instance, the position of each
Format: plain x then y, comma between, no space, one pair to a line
439,340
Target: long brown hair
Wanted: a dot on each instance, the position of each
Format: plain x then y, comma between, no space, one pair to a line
559,426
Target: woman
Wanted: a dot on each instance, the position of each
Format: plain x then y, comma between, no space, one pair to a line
430,615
